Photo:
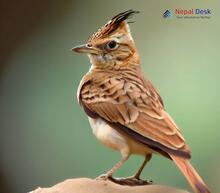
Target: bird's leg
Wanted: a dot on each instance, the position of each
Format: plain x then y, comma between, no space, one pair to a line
109,174
135,179
147,159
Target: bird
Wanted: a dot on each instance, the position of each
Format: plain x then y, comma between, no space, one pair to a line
124,109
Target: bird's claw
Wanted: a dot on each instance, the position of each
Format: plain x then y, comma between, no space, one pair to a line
131,181
103,177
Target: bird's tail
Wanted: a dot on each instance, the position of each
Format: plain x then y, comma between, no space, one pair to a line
191,175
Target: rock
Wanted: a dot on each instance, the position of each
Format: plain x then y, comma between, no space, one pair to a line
86,185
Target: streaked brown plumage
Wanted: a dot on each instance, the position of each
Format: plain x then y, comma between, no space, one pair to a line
125,111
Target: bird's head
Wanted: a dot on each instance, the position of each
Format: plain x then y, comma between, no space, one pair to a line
112,45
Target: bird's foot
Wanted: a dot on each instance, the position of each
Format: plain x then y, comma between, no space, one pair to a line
103,177
131,181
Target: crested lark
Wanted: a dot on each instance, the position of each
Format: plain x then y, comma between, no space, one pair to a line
125,111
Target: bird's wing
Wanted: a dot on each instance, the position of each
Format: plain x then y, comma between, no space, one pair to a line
137,108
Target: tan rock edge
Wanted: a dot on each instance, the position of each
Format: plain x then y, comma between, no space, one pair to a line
86,185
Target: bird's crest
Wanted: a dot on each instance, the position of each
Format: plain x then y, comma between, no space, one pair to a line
113,24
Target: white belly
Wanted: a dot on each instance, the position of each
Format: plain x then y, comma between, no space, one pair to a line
115,140
107,135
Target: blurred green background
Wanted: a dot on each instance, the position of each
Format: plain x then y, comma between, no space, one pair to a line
44,134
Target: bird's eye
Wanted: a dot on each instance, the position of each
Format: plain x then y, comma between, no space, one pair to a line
111,45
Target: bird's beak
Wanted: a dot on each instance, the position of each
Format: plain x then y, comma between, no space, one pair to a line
85,49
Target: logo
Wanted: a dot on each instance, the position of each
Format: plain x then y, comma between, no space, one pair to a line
167,14
191,13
